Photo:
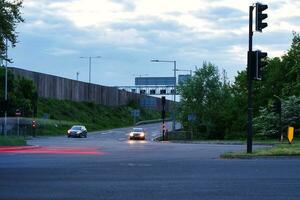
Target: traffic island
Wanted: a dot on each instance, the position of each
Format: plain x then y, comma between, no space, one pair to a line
283,149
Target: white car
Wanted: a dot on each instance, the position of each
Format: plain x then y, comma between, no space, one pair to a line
137,134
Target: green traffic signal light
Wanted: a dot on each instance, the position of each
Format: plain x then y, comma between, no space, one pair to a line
260,16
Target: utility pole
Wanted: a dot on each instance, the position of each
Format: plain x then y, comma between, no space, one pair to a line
174,96
5,96
90,65
77,75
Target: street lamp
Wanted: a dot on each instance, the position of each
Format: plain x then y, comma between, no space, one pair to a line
174,97
90,64
77,75
5,96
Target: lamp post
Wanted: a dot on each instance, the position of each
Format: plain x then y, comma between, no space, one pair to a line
77,75
5,95
174,97
90,64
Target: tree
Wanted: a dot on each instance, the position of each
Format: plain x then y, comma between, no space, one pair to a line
202,95
22,95
10,16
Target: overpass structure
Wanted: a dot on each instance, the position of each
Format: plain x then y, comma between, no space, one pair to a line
155,85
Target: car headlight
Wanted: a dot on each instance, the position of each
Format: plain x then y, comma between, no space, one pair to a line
142,134
69,131
131,134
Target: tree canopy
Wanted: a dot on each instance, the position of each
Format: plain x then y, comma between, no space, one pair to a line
10,16
221,108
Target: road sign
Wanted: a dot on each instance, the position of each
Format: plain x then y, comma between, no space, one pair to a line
290,134
135,113
192,117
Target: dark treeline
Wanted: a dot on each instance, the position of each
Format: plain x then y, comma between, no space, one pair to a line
221,107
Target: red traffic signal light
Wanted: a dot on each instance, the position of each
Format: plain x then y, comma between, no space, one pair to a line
260,16
33,124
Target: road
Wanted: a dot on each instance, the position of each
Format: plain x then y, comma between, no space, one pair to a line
108,166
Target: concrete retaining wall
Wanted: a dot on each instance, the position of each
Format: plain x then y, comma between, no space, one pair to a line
49,86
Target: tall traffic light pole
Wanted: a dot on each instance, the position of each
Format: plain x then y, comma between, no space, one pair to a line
249,73
255,64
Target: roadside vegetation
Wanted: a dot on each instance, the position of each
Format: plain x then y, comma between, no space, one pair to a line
220,106
63,114
283,149
12,141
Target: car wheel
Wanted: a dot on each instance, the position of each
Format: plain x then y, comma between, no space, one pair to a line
69,136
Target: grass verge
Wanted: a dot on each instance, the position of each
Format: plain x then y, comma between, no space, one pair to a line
12,141
63,114
275,150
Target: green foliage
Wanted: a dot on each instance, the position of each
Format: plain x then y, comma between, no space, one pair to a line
22,94
221,108
10,16
64,114
12,141
204,95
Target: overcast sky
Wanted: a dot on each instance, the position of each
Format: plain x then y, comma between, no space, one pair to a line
127,34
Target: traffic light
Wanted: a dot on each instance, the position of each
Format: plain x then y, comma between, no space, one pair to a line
260,16
258,62
33,124
163,100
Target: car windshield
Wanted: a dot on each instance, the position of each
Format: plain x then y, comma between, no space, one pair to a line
137,130
76,128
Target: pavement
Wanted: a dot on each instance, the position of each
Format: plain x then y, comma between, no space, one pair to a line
105,165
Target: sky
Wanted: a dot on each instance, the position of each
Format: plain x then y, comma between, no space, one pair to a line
127,34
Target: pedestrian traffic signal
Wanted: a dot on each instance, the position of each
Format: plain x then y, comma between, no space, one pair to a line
260,16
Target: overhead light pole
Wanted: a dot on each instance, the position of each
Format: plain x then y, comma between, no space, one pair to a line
90,64
5,98
174,96
77,75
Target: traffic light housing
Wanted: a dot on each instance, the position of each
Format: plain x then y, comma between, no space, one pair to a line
33,124
163,100
258,62
260,16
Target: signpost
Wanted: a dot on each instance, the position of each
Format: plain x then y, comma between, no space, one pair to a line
163,116
191,119
290,134
135,113
18,114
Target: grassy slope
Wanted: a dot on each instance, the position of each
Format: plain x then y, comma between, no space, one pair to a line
12,141
279,149
63,114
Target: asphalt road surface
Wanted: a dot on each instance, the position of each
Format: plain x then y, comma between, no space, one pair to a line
108,166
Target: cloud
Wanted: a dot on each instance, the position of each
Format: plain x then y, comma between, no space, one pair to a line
128,33
61,51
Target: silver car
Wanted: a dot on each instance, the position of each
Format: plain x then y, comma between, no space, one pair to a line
77,131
